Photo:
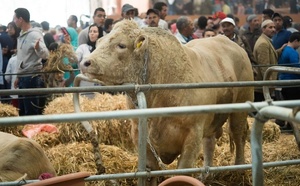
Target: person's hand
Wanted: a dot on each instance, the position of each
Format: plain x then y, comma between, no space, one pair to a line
37,44
16,83
282,47
13,51
5,50
67,38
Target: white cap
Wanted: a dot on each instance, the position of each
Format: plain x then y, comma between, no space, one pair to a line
228,20
266,22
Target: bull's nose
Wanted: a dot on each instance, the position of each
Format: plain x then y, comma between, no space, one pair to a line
87,63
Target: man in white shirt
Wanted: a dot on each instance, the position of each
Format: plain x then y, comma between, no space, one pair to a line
152,18
130,12
98,19
163,10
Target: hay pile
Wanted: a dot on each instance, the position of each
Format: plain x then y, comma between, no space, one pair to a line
75,157
7,110
276,147
110,132
56,62
70,152
271,131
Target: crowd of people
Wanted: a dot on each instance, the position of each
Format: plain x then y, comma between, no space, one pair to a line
237,7
268,38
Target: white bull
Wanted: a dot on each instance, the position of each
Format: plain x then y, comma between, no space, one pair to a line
22,157
153,56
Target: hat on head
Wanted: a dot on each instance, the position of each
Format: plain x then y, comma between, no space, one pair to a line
127,7
228,20
220,15
151,10
251,17
265,22
287,19
276,15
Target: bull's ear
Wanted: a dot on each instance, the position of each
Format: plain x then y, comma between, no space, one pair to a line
141,43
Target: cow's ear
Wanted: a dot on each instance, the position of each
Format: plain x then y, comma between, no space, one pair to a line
141,43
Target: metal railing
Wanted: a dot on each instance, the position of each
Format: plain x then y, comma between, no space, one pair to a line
266,110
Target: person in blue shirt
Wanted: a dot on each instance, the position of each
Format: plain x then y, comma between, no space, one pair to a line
282,35
290,58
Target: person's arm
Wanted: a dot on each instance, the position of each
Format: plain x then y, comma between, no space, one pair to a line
262,57
79,53
279,50
248,50
41,49
9,70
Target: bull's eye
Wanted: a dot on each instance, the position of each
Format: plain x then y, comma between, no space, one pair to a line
121,46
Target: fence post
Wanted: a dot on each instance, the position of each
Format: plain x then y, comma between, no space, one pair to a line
143,134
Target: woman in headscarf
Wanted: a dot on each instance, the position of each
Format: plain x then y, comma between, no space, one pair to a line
14,32
84,50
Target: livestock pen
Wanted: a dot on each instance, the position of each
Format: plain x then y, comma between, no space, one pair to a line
267,110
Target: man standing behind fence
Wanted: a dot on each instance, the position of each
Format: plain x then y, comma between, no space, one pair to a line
31,50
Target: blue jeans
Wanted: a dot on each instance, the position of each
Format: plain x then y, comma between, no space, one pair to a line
30,104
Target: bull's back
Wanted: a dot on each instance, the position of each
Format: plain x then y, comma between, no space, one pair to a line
220,59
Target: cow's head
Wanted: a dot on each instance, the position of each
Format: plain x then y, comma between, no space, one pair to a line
119,56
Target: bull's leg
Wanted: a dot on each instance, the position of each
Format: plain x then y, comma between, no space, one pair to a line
238,128
209,139
191,150
208,150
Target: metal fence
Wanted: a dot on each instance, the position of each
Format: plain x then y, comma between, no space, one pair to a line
266,110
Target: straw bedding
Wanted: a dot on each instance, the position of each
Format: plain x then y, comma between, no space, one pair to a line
70,151
110,132
7,110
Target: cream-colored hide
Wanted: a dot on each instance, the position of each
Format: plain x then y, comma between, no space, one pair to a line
22,156
120,58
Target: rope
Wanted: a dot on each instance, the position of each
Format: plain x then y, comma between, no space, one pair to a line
258,115
144,74
160,163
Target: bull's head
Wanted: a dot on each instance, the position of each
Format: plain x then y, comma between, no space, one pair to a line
119,56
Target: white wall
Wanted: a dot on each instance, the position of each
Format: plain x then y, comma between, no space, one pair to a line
56,12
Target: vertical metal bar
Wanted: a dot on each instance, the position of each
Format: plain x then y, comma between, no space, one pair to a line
256,137
256,151
143,134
